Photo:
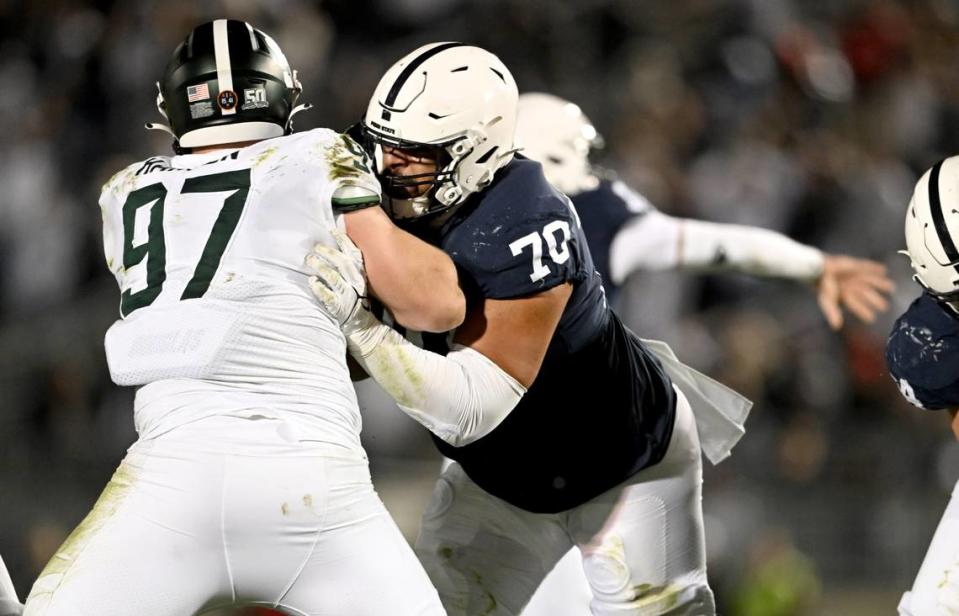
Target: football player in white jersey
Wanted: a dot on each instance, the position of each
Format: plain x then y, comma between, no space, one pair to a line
627,233
247,484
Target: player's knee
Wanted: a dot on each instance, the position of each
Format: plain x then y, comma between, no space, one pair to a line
616,594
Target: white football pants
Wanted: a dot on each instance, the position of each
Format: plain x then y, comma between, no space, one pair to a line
642,542
936,589
230,509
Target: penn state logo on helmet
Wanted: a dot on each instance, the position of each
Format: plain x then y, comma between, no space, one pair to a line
932,230
453,103
198,90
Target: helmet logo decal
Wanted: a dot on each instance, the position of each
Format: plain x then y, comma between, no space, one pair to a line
254,98
203,109
409,68
226,99
199,92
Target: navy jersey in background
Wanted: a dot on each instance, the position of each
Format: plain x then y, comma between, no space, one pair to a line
604,211
601,408
923,354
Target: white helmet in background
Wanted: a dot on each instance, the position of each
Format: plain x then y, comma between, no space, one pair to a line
453,101
932,230
558,134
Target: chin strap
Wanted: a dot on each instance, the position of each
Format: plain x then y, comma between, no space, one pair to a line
166,129
296,110
159,126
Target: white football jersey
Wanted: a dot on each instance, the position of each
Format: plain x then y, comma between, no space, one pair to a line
216,315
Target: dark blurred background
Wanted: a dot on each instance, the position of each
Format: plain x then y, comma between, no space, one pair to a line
812,118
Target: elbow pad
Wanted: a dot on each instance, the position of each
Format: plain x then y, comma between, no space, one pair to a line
474,398
460,397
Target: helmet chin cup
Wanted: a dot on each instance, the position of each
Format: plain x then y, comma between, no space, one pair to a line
449,194
463,146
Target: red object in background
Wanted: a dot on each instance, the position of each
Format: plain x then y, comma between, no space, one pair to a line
866,355
874,41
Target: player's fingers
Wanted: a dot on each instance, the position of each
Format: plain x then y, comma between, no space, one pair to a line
858,307
322,291
872,297
346,245
881,283
315,261
868,266
828,299
832,312
324,256
328,273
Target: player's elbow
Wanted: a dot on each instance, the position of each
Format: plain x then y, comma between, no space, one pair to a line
441,312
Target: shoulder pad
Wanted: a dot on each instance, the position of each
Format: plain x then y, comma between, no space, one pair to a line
923,352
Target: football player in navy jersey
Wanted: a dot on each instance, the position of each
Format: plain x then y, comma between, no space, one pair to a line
627,233
565,429
923,358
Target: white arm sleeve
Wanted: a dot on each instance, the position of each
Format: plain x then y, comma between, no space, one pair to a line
658,241
460,397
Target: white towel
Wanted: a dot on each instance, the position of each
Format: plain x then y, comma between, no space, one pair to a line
720,411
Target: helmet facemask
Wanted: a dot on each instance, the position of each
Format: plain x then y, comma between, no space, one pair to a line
441,192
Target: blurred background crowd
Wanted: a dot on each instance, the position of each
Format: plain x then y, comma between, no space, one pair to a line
812,118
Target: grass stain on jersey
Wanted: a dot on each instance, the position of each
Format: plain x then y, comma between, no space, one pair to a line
308,501
106,506
264,156
344,162
121,182
285,509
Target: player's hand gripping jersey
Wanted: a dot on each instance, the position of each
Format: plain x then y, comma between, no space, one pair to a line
923,354
216,317
601,407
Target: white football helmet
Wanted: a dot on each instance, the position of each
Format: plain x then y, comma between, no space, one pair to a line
558,134
932,230
454,100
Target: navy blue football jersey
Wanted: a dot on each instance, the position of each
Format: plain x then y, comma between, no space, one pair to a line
604,211
923,354
601,407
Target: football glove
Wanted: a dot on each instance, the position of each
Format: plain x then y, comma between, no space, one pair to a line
340,286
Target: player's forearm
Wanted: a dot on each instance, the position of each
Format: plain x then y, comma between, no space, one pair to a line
416,281
751,250
460,397
954,414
